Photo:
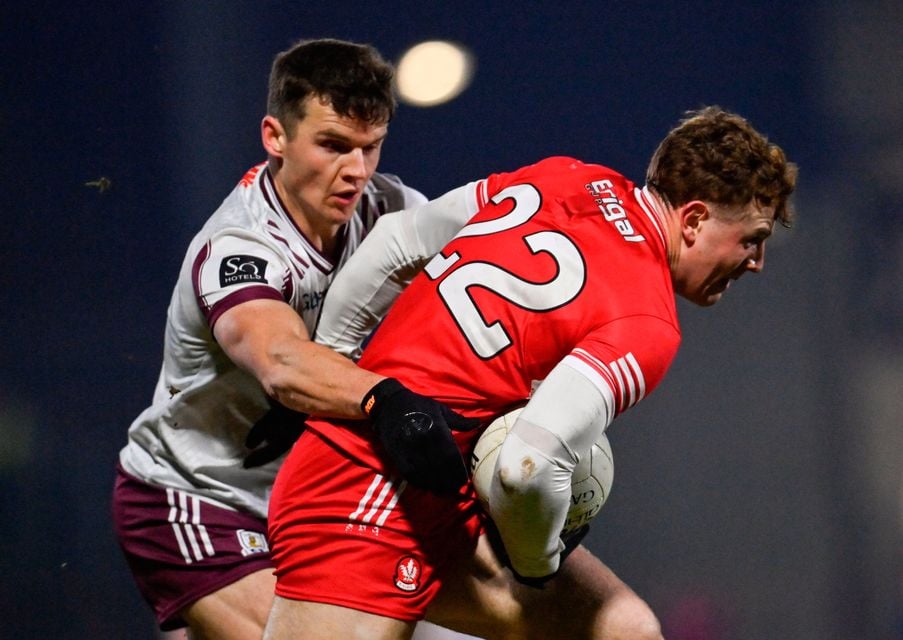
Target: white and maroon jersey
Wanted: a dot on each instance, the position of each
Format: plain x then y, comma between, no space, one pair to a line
560,262
192,436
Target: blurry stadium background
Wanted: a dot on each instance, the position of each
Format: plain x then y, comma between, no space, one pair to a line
758,492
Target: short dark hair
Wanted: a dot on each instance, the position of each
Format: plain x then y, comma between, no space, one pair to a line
353,78
717,156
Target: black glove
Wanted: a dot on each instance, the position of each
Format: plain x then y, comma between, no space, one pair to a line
416,432
278,428
571,542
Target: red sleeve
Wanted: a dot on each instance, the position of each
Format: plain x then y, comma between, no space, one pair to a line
627,357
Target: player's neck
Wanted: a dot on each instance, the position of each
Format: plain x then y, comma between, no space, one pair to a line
670,223
321,233
323,237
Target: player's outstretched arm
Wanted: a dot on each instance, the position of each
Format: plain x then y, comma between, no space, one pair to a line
269,339
396,250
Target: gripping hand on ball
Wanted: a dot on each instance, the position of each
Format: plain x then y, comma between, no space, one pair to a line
416,433
570,542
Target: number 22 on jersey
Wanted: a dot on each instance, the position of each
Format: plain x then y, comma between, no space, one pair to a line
488,340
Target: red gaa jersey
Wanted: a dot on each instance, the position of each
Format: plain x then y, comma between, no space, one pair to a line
560,261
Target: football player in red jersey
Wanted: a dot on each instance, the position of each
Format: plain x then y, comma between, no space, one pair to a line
558,293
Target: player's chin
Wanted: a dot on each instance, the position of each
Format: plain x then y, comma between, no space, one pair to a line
341,214
708,296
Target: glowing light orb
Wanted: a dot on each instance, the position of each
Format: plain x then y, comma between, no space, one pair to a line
433,72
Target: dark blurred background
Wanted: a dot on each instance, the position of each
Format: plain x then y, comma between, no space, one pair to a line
757,493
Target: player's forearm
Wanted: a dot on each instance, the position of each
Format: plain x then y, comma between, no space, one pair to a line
529,498
268,339
395,251
314,379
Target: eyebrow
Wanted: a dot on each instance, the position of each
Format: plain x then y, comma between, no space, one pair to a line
332,134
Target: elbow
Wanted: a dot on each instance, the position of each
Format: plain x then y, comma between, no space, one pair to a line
280,386
273,387
526,476
519,477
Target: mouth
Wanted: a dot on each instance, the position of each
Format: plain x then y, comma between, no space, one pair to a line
721,285
724,283
346,198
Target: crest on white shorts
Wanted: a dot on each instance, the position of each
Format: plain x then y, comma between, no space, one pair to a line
252,542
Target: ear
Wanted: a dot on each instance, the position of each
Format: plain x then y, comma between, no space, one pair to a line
692,215
272,135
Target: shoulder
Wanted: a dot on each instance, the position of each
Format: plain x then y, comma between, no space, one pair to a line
558,169
246,210
567,167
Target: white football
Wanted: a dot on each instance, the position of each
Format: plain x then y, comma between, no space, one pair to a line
590,483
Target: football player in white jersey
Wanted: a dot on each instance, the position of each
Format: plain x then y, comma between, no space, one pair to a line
189,510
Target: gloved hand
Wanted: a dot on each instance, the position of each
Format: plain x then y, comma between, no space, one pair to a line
571,542
416,432
273,435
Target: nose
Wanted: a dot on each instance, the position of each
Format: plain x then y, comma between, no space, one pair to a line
757,262
355,164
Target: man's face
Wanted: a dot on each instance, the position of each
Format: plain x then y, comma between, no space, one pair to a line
325,163
720,247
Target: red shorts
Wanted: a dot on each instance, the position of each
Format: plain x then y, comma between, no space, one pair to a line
180,547
350,535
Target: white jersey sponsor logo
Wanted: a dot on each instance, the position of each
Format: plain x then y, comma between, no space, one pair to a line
612,208
239,269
